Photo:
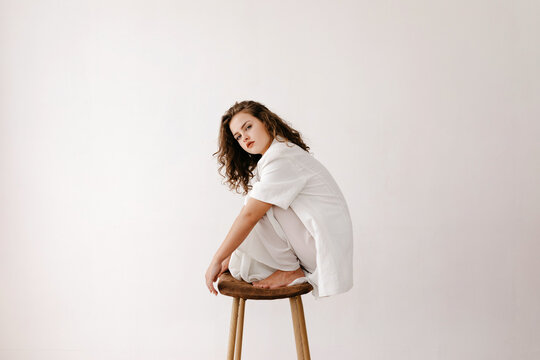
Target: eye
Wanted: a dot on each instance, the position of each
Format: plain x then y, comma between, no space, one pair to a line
247,127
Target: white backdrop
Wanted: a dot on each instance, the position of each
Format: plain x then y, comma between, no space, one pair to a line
425,112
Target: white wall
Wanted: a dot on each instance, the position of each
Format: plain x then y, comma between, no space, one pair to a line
425,112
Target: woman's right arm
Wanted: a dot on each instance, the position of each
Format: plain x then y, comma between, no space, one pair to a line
250,214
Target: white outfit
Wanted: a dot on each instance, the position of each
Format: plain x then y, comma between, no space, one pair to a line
265,251
309,224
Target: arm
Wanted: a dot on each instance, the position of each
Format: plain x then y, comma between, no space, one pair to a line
250,214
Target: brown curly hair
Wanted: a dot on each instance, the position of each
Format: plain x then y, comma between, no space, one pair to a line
238,163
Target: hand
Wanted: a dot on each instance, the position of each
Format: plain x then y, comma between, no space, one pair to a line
224,266
212,274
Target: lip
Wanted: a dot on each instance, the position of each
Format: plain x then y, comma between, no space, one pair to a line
250,144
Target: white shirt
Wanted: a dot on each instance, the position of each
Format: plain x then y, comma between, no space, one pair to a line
287,175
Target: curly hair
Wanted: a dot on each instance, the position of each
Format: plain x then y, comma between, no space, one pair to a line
238,163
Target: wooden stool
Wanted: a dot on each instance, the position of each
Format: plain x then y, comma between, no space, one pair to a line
241,291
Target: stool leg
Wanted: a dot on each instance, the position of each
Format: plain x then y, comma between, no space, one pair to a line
232,330
303,329
297,330
240,330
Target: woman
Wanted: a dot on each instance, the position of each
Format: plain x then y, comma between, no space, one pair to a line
295,224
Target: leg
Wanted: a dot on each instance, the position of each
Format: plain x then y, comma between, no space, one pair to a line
303,329
262,253
298,240
240,329
266,258
301,242
232,330
298,236
296,327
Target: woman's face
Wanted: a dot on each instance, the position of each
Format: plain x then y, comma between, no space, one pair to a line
250,133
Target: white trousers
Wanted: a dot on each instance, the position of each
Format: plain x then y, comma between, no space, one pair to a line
279,241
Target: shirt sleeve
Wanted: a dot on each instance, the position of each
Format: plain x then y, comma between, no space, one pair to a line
280,182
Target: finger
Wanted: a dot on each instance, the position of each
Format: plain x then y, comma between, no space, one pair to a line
211,288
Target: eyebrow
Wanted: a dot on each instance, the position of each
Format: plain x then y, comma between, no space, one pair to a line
241,128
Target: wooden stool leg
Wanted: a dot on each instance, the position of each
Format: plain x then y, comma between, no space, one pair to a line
240,330
232,330
296,326
302,321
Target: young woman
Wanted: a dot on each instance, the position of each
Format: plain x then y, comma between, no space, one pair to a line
295,224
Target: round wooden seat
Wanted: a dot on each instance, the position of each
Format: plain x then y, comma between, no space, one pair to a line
229,286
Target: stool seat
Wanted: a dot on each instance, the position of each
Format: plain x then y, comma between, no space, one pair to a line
230,286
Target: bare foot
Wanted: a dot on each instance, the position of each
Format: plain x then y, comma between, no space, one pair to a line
278,279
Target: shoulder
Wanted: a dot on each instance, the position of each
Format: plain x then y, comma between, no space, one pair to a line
279,151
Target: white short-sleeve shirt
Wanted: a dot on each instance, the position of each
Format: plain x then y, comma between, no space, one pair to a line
288,176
